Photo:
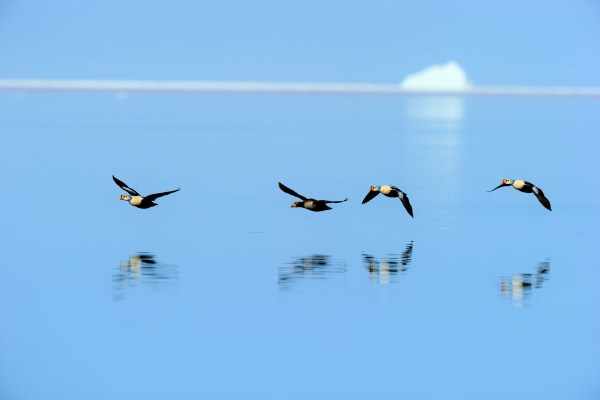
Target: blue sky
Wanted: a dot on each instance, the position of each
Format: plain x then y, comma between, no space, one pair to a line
543,43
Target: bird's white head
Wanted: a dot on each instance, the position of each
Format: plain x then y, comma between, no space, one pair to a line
375,188
125,197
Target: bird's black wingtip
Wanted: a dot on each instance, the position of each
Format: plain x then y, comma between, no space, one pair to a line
498,187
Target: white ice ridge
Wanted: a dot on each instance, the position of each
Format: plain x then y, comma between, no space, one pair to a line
133,86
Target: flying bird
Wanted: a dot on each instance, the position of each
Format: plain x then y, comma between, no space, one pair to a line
309,204
526,187
389,191
137,200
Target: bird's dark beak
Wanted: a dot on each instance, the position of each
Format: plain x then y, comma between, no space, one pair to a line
499,186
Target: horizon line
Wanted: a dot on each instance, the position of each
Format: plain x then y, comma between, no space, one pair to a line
258,87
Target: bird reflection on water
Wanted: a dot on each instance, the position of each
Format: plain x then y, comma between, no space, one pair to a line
317,266
519,286
141,269
383,272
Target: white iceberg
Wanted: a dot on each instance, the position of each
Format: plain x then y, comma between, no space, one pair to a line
448,76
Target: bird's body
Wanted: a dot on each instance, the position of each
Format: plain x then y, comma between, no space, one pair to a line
137,200
312,205
389,191
309,204
526,187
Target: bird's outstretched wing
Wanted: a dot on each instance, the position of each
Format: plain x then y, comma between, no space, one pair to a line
406,203
540,196
370,196
152,197
498,187
126,188
290,191
333,201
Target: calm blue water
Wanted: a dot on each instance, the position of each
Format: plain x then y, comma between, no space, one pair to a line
225,292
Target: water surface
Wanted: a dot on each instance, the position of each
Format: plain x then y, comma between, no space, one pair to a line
223,291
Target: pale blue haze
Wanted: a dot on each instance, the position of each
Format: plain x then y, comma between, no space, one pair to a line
541,43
